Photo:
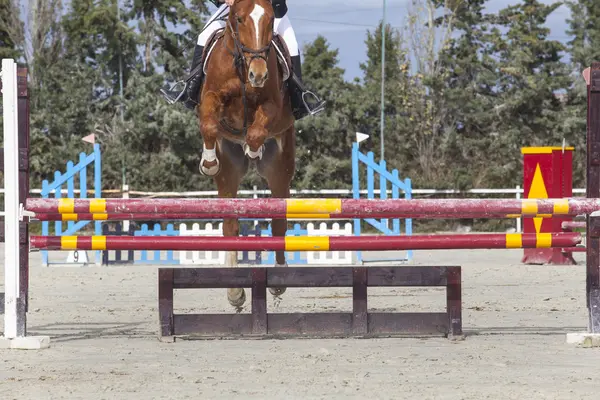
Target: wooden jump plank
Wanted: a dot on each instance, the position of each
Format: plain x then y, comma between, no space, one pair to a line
212,324
212,278
312,325
309,277
409,276
359,322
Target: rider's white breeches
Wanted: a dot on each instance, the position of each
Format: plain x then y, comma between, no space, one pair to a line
212,25
283,27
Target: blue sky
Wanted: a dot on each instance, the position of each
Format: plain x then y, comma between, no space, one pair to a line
345,22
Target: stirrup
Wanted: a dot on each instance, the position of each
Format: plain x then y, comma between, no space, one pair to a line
320,103
170,97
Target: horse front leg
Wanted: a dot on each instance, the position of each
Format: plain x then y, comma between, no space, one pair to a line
210,164
234,166
278,168
235,296
259,131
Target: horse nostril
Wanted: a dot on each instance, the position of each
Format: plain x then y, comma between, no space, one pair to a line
251,75
265,76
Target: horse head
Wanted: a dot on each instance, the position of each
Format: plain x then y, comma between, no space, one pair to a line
250,24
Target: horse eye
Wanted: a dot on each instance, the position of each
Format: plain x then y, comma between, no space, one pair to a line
239,19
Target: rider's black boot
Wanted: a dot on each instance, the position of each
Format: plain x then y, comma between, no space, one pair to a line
304,102
187,91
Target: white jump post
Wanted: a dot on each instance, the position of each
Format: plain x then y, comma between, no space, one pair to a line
15,316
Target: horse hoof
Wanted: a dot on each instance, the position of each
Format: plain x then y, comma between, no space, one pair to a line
236,297
253,155
277,291
211,170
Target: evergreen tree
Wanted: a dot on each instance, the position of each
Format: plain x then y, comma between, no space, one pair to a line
8,47
76,90
399,99
324,142
583,48
159,146
159,139
584,27
156,20
104,42
530,111
465,101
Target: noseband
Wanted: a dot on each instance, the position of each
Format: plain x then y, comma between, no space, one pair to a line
239,62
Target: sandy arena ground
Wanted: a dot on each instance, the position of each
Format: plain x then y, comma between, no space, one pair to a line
103,324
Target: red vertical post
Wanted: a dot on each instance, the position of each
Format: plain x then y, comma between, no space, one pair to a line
547,174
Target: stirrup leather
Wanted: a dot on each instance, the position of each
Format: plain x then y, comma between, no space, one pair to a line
170,96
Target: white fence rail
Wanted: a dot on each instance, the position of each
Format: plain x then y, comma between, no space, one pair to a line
329,257
203,257
312,257
515,192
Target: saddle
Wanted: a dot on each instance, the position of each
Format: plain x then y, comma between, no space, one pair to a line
283,55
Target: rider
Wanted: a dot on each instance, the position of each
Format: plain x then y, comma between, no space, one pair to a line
283,27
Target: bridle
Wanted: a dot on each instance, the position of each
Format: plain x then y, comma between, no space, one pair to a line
241,49
242,65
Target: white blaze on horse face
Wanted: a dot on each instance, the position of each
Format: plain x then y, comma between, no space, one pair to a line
256,15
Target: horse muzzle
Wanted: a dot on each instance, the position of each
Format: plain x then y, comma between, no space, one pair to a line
258,79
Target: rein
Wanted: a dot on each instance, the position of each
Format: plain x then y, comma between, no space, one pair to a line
241,67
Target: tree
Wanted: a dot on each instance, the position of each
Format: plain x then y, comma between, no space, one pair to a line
161,45
160,140
8,46
324,142
430,24
398,97
466,86
530,111
583,49
101,39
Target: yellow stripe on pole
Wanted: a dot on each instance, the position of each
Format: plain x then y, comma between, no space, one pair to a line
313,206
529,206
98,206
310,243
561,206
308,216
66,206
514,241
98,242
68,242
543,240
75,217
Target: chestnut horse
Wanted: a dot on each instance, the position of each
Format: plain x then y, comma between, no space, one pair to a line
246,115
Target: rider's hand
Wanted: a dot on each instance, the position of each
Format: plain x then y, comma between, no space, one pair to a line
229,2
